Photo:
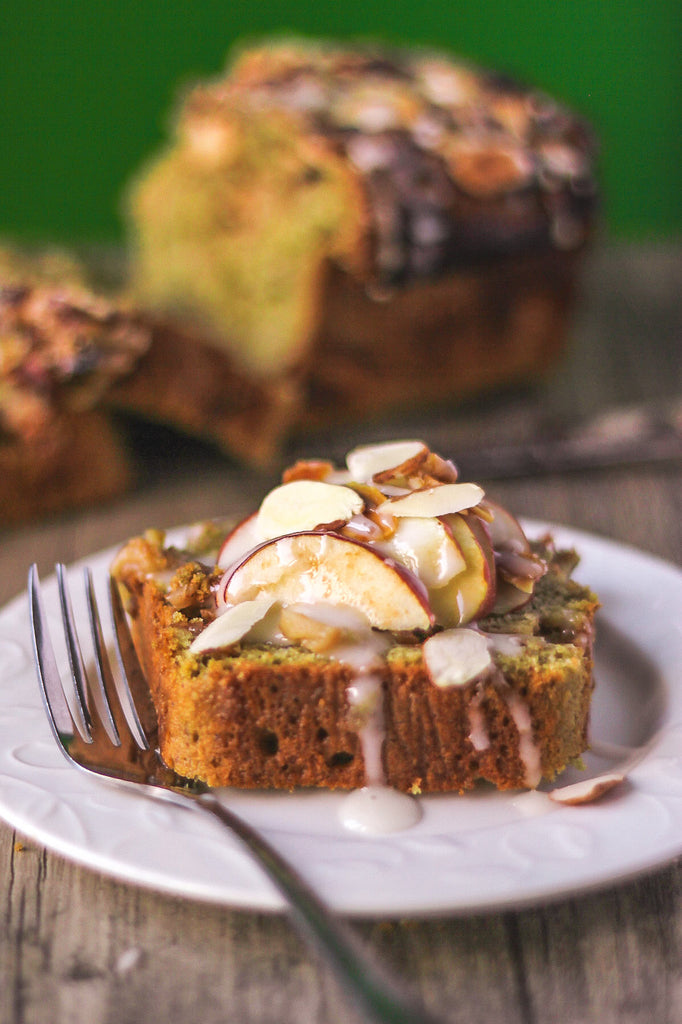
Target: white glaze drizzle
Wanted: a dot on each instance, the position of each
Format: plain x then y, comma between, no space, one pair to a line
365,697
376,808
528,749
478,729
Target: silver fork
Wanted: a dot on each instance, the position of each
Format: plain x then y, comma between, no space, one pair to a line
104,725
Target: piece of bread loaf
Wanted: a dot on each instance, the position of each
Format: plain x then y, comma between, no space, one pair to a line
61,347
495,684
377,229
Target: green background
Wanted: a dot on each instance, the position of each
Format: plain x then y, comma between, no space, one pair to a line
87,88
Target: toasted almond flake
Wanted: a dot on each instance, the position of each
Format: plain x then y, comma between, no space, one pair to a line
456,657
367,460
587,791
435,501
232,626
305,505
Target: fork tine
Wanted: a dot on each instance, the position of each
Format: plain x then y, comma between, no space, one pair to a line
131,675
104,679
78,703
54,697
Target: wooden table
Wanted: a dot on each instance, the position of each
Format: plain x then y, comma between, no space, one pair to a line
79,947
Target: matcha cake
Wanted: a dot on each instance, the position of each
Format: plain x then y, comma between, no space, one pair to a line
374,229
379,624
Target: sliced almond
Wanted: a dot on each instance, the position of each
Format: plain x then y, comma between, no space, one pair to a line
305,505
367,460
435,501
232,626
456,657
587,791
425,469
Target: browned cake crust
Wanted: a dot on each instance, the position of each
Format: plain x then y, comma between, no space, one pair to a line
269,717
469,332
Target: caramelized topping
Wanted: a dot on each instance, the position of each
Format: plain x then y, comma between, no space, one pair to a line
307,469
426,469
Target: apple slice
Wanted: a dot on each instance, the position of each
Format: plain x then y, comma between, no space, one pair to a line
366,460
506,532
456,657
518,567
232,625
325,567
435,501
241,539
426,547
305,504
469,595
509,598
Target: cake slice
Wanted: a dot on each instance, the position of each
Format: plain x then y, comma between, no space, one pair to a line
381,624
62,347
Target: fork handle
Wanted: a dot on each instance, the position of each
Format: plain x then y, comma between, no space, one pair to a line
374,992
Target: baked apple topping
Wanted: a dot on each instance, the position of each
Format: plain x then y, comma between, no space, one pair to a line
393,534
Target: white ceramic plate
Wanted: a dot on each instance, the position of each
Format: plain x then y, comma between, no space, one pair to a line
482,851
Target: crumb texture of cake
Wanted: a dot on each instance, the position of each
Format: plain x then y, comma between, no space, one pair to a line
352,215
393,643
187,384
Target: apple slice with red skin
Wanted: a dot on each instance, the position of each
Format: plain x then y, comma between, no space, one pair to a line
506,532
471,594
515,556
509,598
312,567
426,547
241,539
518,567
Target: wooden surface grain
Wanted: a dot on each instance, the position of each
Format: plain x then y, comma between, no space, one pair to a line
82,948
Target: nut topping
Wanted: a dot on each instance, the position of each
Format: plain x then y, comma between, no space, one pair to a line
307,469
317,636
425,469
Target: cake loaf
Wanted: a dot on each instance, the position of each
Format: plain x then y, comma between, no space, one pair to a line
381,229
381,625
